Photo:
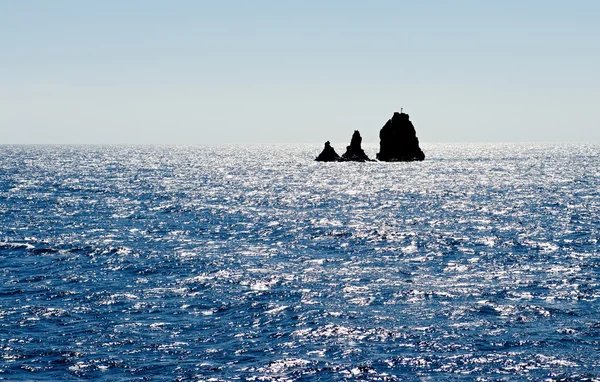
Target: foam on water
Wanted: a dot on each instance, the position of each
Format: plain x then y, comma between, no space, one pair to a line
256,263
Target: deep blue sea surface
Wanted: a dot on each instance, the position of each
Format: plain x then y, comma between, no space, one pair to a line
257,263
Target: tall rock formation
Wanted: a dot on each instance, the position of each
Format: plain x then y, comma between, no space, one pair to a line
398,140
354,152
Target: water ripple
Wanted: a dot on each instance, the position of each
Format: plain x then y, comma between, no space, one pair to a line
256,263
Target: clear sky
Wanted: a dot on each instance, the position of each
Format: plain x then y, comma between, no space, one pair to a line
226,71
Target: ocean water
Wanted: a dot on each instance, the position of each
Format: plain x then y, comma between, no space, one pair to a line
256,263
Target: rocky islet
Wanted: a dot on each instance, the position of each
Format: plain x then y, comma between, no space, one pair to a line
398,143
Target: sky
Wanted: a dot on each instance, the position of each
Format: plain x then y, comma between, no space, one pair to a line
273,71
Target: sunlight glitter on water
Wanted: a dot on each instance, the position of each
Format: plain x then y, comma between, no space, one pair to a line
258,263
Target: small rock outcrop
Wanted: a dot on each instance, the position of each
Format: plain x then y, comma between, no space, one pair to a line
354,152
398,140
328,154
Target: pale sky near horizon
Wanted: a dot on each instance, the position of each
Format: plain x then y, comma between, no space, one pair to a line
204,72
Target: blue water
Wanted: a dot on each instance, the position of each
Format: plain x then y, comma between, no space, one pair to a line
256,263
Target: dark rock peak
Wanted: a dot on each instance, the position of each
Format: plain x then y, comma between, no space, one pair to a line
354,152
356,140
328,154
398,140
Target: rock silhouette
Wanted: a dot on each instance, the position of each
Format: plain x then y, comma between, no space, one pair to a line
328,154
354,152
398,143
398,140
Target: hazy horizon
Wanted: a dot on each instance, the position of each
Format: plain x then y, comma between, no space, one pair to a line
196,72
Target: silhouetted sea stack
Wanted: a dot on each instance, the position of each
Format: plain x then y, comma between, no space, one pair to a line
328,154
354,152
398,143
398,140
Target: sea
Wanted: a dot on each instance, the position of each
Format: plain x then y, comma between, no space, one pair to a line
256,263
